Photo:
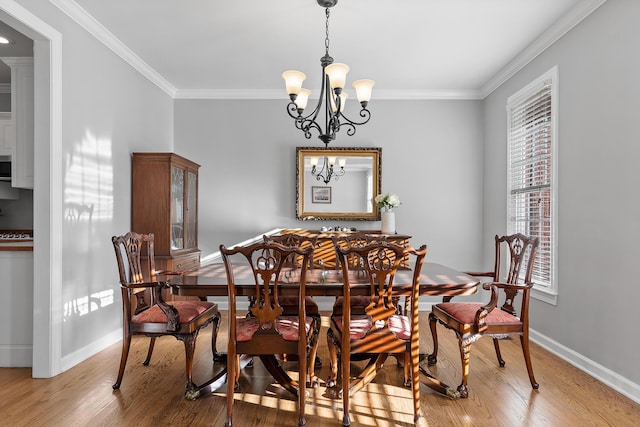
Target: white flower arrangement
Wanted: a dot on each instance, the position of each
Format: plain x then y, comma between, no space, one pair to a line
387,201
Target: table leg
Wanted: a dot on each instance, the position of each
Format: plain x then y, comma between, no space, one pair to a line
271,363
437,385
218,380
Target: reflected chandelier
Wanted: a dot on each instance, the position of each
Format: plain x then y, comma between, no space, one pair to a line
328,168
333,79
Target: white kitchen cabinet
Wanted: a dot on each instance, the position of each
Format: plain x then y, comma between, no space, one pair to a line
16,309
21,120
6,134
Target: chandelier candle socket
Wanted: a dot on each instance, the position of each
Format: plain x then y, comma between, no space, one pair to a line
334,76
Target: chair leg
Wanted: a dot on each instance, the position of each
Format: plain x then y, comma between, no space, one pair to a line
217,357
418,417
313,351
332,344
302,388
465,350
236,381
524,340
232,367
496,345
189,351
126,343
407,369
345,373
152,344
432,358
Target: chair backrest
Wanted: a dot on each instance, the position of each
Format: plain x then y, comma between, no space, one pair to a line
520,253
129,249
355,240
266,262
376,265
292,240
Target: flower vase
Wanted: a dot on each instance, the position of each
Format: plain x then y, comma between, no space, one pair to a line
388,222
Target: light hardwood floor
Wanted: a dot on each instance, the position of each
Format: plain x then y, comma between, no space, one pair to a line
153,395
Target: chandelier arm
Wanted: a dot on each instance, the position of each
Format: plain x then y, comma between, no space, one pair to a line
364,113
306,125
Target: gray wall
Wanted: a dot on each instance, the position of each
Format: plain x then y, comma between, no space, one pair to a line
598,175
108,110
431,158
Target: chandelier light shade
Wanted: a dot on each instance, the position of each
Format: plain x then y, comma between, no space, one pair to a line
332,99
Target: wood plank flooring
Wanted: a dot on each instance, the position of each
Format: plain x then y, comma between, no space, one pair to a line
153,395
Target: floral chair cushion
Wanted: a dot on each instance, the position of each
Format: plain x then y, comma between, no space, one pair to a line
465,313
361,324
187,310
286,326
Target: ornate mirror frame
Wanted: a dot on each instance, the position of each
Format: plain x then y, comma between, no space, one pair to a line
350,197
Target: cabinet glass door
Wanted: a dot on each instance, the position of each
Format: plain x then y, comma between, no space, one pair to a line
177,208
192,210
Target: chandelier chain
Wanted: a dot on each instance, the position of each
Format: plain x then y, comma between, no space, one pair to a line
326,39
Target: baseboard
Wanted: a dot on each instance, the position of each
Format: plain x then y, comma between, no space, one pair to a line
71,360
16,356
594,369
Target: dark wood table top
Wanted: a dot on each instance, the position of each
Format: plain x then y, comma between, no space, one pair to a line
211,280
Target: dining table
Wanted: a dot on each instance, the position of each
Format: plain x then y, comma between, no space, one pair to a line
210,280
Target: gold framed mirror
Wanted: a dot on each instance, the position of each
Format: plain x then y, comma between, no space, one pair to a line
338,183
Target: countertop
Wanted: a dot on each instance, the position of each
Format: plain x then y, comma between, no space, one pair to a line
17,244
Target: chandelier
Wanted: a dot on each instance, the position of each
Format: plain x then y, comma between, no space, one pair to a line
331,93
327,170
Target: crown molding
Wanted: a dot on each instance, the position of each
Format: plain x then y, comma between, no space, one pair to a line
549,37
398,95
553,34
89,23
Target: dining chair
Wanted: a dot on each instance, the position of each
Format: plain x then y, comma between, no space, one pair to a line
347,241
266,331
380,331
472,321
290,303
145,311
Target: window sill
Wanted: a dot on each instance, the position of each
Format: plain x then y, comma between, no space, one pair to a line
545,295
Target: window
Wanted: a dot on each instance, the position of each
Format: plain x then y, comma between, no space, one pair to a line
531,202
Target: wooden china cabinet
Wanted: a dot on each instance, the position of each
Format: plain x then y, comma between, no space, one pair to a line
165,203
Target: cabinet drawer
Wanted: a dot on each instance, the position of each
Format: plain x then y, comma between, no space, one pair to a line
184,262
178,263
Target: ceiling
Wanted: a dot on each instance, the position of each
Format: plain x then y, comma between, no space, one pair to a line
411,48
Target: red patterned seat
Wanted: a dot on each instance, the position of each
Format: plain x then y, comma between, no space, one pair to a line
286,326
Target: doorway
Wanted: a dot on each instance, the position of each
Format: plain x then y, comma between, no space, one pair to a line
47,203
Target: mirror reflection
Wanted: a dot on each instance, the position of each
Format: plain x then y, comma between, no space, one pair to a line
337,183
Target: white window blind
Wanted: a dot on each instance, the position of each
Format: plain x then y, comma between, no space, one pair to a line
531,173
